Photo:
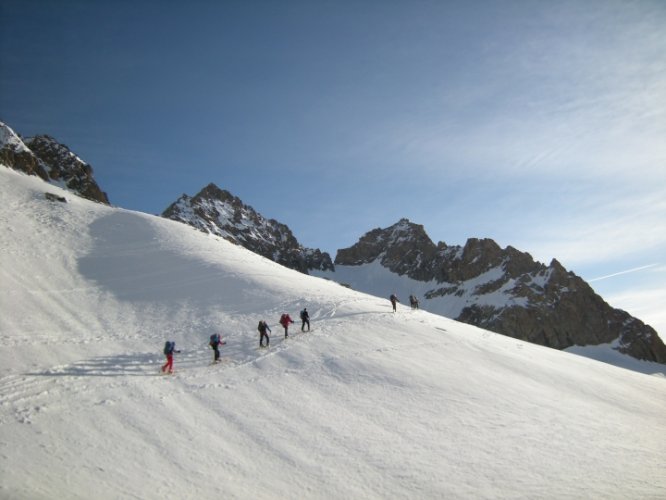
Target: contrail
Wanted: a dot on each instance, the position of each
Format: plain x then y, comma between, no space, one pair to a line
621,272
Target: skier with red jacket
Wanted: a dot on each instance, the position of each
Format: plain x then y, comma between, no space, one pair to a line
285,319
169,350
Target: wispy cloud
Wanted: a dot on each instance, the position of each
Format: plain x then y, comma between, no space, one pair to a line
620,273
577,93
597,225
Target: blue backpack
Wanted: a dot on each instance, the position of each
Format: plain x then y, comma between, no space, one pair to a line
169,347
214,339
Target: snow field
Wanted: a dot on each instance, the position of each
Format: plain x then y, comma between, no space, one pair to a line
370,404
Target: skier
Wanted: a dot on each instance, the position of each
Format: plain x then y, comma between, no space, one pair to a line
263,326
394,300
215,343
413,301
285,319
305,318
169,350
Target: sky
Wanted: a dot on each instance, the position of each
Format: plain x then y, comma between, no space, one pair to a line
541,125
417,406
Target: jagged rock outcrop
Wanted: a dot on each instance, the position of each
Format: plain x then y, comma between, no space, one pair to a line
218,212
405,249
53,162
65,167
505,291
15,154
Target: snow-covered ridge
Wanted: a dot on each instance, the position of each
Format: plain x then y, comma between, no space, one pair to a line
10,139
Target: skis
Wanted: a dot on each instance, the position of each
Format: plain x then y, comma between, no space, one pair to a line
297,334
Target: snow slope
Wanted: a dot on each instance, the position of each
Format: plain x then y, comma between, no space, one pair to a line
377,280
370,404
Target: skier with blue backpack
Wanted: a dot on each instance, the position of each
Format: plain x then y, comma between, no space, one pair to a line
169,350
215,343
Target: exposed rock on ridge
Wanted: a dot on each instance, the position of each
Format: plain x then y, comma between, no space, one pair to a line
53,162
64,166
505,291
404,248
218,212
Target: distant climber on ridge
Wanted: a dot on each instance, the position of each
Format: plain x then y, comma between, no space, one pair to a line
394,300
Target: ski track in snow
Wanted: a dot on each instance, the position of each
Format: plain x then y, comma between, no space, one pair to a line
28,393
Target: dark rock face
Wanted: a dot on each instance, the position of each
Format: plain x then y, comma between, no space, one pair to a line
218,212
14,154
55,197
405,248
44,157
64,166
506,291
23,161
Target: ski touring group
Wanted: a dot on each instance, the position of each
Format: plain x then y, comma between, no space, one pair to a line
216,340
264,330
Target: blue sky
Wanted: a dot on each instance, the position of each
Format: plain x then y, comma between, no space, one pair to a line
541,125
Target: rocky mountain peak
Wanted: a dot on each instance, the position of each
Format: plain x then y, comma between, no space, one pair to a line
217,211
15,154
404,248
212,192
476,249
53,162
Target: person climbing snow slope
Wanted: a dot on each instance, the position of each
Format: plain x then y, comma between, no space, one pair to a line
263,328
285,320
305,319
394,300
215,343
169,350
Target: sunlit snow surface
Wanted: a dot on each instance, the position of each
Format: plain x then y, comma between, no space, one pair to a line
369,404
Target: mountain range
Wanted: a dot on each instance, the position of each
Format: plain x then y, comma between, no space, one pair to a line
502,290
